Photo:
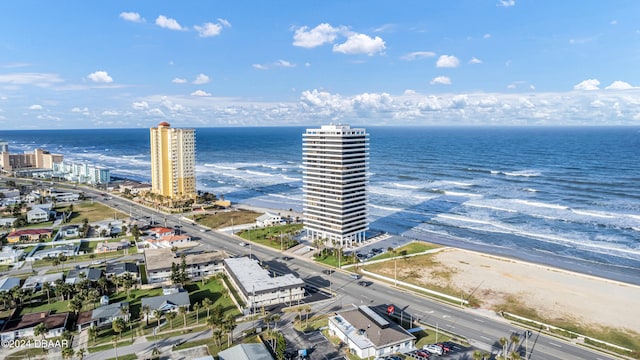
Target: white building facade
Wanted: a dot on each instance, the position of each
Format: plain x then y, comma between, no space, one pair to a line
335,160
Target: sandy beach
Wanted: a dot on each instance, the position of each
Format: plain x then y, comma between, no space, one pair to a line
555,293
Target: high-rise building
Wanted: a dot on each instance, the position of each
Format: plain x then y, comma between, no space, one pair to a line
335,160
173,161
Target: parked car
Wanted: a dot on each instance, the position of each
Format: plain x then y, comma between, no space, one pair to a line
445,348
433,348
356,276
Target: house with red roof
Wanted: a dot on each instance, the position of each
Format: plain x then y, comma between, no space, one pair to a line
160,232
29,235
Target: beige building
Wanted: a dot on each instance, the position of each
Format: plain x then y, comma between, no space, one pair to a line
39,159
173,161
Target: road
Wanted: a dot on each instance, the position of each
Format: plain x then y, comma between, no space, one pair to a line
479,328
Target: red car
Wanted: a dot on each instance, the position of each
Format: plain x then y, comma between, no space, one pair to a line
445,348
423,354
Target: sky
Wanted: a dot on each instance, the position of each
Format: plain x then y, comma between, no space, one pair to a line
129,64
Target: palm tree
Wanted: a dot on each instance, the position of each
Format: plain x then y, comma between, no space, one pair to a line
229,325
503,343
206,302
118,326
146,310
515,339
183,310
212,323
81,353
477,355
67,352
170,315
158,315
307,310
196,308
93,333
395,264
47,287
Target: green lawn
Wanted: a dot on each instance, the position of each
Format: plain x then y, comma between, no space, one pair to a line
277,237
328,257
222,219
414,247
93,212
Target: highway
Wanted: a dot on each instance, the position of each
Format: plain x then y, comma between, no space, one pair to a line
478,327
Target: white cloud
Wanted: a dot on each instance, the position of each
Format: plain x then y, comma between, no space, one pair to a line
506,3
619,85
84,110
38,79
208,29
110,113
200,93
201,79
179,81
131,16
260,67
360,44
155,112
224,22
284,63
614,22
140,105
589,84
475,60
319,35
168,23
441,80
100,77
35,107
418,55
447,61
279,63
486,36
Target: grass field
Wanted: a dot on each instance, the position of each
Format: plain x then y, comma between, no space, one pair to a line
414,247
276,237
223,219
93,212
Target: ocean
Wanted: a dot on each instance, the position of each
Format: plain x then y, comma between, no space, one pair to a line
568,197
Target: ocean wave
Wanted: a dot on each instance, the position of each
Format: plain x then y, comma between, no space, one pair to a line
406,186
541,204
388,208
259,173
530,190
490,207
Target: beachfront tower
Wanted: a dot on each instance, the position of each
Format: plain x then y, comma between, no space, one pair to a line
335,159
173,161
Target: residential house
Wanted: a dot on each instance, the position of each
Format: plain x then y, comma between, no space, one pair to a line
201,265
165,303
121,268
24,326
159,232
10,255
253,351
112,246
55,251
73,276
268,219
29,235
69,231
368,333
133,187
169,241
37,215
35,282
105,314
8,283
7,222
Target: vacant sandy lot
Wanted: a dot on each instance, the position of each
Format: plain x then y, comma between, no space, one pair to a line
556,294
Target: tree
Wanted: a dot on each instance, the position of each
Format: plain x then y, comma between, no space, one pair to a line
67,352
146,310
135,232
212,324
515,339
196,308
118,326
183,310
75,305
170,316
477,355
503,342
93,333
40,330
127,282
206,302
158,315
230,324
46,286
81,353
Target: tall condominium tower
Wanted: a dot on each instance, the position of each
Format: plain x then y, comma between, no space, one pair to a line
335,159
173,161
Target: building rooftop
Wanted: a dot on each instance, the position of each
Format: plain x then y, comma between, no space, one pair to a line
366,328
35,280
255,351
166,302
30,232
118,269
160,259
252,278
51,321
9,283
90,274
108,311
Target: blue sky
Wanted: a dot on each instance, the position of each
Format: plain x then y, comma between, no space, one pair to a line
101,64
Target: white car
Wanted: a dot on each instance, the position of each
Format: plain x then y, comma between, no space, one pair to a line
243,244
432,348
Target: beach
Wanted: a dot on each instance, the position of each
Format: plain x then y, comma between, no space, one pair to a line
556,294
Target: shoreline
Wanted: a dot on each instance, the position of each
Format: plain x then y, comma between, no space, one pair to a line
607,272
